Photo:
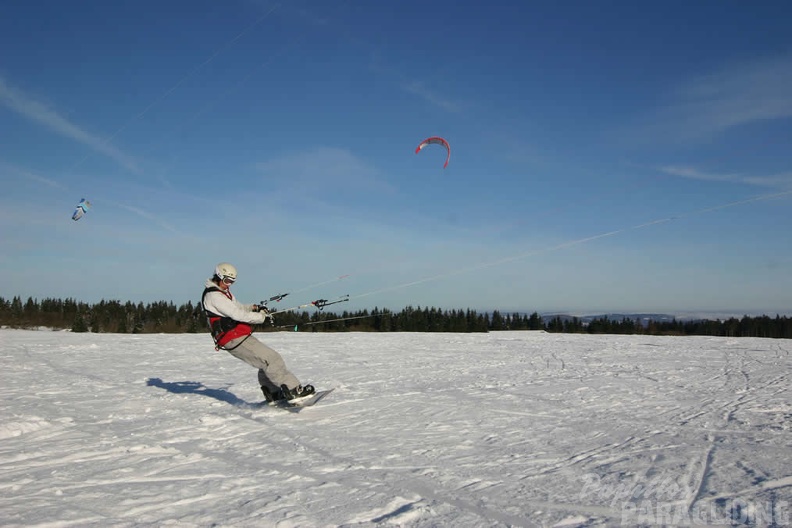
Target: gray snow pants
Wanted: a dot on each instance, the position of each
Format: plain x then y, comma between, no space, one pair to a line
272,369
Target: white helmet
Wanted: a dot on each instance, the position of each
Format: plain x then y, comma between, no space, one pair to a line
224,270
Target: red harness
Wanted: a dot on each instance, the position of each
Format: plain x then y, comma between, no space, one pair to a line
224,329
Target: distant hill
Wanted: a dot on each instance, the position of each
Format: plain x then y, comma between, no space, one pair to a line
642,318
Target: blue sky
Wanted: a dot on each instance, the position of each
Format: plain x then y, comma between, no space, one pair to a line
606,156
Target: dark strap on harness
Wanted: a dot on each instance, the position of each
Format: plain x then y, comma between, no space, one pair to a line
218,324
203,297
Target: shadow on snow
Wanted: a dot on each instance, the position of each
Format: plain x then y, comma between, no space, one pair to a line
195,387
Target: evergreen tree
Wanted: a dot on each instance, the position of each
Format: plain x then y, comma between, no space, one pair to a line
535,322
497,322
16,311
79,324
556,325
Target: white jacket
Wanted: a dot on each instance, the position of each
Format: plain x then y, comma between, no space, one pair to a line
219,303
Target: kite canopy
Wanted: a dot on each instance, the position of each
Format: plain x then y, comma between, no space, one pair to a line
436,141
81,209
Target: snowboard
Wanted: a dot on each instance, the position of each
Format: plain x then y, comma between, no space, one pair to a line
298,404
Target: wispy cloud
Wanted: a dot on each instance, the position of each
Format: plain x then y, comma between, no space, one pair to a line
696,174
6,168
38,112
380,66
780,180
734,95
741,94
149,216
324,167
419,88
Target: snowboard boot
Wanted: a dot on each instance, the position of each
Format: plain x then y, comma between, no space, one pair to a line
272,396
300,391
306,390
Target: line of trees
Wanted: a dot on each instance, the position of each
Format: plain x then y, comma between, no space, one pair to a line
759,326
165,317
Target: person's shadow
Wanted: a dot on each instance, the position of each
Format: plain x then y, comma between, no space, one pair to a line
196,387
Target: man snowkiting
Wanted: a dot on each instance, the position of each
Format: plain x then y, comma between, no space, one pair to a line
229,323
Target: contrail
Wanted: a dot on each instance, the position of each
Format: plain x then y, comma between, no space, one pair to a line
571,243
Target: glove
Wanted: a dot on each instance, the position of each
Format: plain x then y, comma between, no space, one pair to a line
267,314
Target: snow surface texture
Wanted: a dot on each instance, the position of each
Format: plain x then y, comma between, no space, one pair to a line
500,429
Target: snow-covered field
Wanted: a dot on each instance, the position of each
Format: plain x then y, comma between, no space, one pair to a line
500,429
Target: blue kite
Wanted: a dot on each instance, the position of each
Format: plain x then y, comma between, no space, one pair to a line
81,209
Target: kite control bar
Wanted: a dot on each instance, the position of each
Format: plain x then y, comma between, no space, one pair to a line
319,303
276,298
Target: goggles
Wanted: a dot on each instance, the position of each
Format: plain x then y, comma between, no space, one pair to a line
228,280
